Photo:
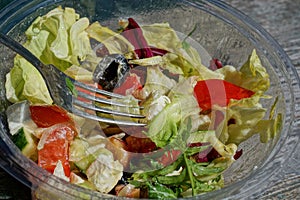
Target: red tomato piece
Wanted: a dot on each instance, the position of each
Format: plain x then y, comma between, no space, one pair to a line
218,92
95,85
130,85
48,115
169,157
55,147
140,143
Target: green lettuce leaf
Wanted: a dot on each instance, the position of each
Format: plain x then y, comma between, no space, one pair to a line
248,114
59,38
245,120
164,127
105,172
225,150
79,73
153,104
162,36
152,61
157,81
24,82
269,128
252,75
180,59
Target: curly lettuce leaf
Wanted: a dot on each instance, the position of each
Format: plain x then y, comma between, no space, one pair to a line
248,114
180,59
269,128
164,127
105,172
24,82
153,104
225,150
252,75
245,120
157,81
79,73
59,38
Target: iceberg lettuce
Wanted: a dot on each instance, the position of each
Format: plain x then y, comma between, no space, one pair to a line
59,38
178,59
164,127
24,82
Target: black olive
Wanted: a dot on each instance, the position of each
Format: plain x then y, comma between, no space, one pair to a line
110,71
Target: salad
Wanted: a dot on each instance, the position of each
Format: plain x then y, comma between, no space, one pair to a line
196,115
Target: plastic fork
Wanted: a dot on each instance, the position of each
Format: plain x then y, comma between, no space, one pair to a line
77,102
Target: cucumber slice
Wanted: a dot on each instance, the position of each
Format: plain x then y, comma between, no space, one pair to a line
84,163
25,141
80,155
83,153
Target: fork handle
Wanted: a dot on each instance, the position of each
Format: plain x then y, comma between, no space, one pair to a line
18,48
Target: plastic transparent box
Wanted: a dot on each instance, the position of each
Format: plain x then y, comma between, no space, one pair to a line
223,32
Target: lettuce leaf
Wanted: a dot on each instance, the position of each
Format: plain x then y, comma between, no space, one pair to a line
252,75
105,172
248,114
79,73
153,104
245,120
157,81
24,82
210,136
59,38
164,127
179,59
114,42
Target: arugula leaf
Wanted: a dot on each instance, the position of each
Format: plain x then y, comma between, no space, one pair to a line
172,180
186,45
190,174
194,150
160,191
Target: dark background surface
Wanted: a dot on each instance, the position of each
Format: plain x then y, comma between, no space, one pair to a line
281,18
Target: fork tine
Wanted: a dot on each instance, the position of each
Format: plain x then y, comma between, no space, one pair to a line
96,90
104,101
105,120
104,110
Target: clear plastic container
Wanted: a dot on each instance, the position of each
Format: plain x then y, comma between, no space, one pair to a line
223,32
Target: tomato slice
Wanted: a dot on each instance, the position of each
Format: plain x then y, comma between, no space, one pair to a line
138,142
130,85
55,147
218,92
169,157
47,115
95,85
